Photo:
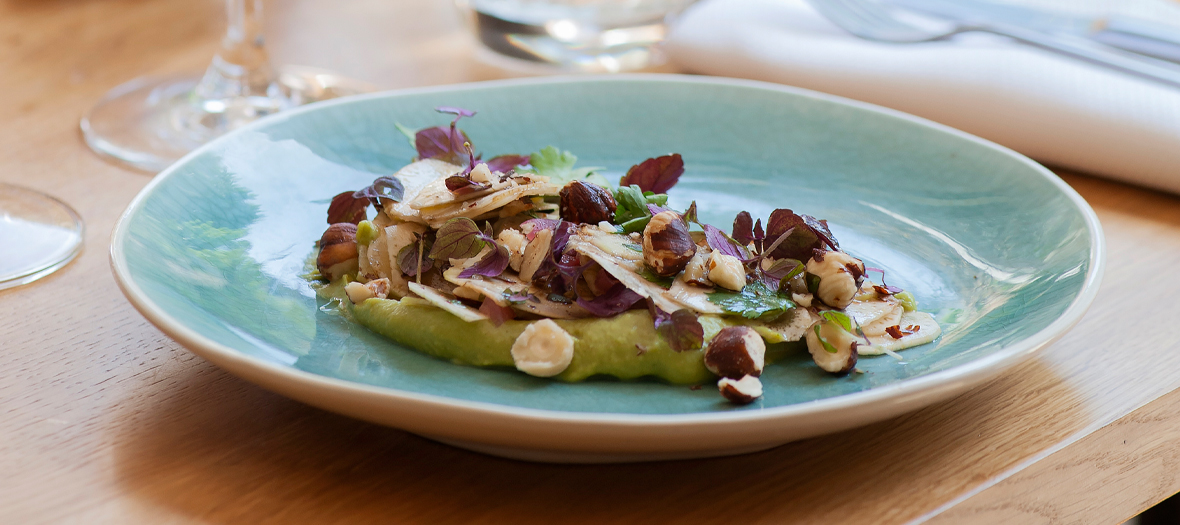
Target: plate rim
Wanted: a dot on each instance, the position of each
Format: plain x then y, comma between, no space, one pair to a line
968,373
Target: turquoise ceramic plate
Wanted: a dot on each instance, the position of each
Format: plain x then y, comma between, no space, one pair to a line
1005,254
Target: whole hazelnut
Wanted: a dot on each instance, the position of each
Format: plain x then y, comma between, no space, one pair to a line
585,202
338,254
839,275
667,246
741,391
736,351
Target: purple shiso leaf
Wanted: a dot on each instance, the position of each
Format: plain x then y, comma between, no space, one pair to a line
656,175
457,111
407,260
680,329
492,264
820,228
718,241
460,185
459,238
743,228
654,209
801,241
346,207
614,301
504,163
440,143
690,215
759,236
539,224
497,314
891,290
381,188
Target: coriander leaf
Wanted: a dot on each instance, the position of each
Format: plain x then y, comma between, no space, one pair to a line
656,175
653,277
632,204
558,165
755,301
459,238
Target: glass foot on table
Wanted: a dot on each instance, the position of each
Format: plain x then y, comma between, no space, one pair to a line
40,233
149,123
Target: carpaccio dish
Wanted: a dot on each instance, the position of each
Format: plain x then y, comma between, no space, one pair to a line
531,262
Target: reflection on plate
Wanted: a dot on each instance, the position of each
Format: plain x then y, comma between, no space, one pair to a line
1006,254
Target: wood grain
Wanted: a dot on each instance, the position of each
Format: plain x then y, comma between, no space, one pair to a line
105,420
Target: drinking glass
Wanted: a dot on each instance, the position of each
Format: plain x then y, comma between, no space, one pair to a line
40,234
148,123
573,35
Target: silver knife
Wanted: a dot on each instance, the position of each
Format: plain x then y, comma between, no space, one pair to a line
1145,37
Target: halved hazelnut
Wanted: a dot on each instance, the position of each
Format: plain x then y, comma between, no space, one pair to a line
585,202
736,351
667,246
832,347
741,391
338,253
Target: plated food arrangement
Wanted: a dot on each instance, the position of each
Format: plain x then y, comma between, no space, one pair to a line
533,262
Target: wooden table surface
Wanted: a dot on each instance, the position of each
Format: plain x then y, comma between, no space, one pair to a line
103,419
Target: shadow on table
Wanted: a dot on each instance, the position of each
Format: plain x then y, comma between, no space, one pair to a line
227,452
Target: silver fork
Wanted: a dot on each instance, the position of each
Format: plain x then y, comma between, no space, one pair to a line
871,20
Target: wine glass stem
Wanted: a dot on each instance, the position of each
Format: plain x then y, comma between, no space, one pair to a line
241,67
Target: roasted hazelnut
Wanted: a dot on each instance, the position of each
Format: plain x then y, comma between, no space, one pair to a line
736,351
667,246
839,275
338,253
839,355
741,391
727,271
585,202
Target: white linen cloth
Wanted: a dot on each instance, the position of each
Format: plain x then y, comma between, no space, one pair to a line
1055,109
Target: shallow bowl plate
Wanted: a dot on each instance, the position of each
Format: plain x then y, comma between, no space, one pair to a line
1005,254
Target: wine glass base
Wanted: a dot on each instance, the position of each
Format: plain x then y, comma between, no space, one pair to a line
41,233
149,123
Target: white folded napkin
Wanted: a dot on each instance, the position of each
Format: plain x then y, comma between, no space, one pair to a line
1055,109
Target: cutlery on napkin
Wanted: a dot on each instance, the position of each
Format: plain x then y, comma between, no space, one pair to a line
1054,109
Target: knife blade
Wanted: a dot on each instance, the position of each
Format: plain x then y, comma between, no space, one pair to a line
1140,36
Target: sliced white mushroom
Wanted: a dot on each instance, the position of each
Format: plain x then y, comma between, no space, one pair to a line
693,297
397,237
436,216
927,331
494,288
543,349
623,271
535,253
791,326
453,306
414,177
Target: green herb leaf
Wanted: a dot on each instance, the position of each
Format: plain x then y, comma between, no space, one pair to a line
653,277
459,238
755,301
827,346
558,165
409,133
839,318
632,204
